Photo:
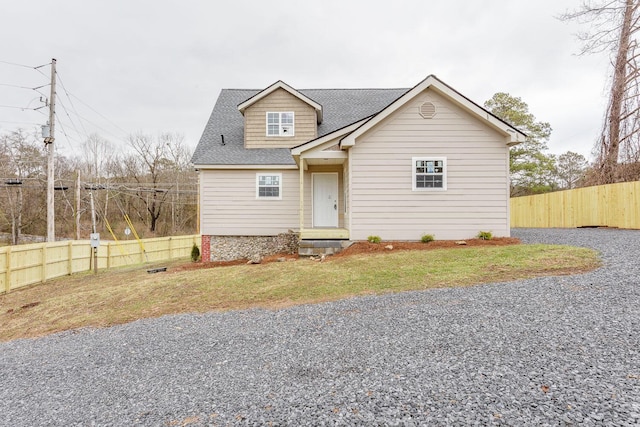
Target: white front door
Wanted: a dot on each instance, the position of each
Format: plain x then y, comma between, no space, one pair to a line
325,199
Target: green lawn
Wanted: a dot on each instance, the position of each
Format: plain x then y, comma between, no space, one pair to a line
124,295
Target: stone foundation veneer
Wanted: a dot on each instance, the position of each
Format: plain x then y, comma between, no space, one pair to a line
229,248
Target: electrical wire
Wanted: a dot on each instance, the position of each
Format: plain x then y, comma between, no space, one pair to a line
19,108
40,66
76,121
71,103
100,127
73,125
74,110
101,115
16,86
20,123
64,132
18,65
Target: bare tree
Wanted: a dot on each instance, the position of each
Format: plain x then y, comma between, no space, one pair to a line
614,27
96,152
152,167
23,160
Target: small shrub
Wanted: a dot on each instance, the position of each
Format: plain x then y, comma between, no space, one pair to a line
195,253
374,239
426,238
485,235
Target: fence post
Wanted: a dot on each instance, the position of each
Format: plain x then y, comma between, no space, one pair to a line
70,255
44,262
170,249
108,255
7,282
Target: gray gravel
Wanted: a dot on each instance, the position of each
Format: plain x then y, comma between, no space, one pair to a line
548,351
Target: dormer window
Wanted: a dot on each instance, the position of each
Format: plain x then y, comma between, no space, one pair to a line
280,124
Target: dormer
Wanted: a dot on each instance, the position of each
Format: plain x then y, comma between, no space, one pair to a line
279,117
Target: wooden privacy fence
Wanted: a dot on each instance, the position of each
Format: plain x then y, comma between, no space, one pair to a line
612,205
24,265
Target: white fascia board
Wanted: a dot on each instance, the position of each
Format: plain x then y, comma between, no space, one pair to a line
318,142
319,154
282,85
227,167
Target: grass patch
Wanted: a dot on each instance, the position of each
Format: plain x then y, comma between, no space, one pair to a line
121,296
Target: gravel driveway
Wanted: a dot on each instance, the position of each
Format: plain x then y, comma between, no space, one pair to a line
547,351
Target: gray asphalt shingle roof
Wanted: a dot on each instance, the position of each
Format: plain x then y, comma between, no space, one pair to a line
341,107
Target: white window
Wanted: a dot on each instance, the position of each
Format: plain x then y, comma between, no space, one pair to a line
280,124
269,185
429,173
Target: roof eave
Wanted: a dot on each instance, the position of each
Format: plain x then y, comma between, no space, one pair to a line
309,145
245,166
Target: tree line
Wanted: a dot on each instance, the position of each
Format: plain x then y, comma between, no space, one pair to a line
151,186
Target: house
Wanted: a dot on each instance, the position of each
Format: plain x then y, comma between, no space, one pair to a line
282,167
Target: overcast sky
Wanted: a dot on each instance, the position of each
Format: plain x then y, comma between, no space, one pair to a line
158,66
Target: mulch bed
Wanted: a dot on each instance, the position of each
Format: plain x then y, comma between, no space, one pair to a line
366,247
363,248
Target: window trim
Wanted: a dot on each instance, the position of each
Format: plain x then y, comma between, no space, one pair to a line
414,174
261,174
281,134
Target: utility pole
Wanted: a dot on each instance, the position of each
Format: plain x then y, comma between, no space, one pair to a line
77,205
51,221
95,237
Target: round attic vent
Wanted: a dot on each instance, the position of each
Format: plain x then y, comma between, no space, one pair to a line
427,110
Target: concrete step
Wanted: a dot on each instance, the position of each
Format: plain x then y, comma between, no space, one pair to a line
321,247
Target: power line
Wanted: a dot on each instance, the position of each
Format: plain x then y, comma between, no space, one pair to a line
98,126
18,65
36,68
73,125
71,103
76,119
20,123
107,119
64,131
39,71
20,108
16,86
74,110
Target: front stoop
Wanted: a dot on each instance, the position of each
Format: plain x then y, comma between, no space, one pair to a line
321,247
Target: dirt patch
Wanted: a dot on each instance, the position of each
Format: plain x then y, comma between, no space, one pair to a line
362,248
209,264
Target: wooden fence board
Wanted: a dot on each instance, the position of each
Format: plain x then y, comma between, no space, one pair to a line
613,205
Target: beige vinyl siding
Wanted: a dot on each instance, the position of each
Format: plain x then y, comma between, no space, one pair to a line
229,207
345,194
255,121
382,200
308,193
